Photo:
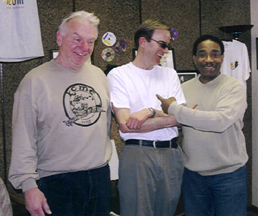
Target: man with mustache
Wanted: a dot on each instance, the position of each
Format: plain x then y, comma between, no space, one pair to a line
214,151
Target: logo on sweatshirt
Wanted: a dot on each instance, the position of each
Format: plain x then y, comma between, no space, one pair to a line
13,2
234,65
82,105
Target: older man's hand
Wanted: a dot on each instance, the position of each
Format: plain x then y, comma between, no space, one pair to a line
36,202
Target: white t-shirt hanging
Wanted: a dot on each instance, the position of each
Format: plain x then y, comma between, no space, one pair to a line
236,61
20,31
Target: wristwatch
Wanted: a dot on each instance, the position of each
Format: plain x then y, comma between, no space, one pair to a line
152,112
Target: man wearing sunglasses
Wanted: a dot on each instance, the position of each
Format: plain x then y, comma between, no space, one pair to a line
150,166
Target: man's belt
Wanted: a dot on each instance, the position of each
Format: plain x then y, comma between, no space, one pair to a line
156,144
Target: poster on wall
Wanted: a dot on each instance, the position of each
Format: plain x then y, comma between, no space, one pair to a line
185,75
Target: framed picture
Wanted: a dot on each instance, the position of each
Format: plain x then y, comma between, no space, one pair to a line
168,60
185,75
54,54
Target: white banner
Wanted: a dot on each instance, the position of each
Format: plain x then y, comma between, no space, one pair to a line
20,36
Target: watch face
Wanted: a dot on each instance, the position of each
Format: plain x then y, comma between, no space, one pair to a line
152,112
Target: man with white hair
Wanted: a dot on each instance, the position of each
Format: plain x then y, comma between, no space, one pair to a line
61,121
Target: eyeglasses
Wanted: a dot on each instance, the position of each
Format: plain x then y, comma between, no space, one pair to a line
162,44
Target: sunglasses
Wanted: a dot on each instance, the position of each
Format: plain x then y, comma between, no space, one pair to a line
162,44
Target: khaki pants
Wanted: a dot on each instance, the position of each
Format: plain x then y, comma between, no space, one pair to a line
149,180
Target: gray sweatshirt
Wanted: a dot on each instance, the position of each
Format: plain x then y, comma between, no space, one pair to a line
60,121
213,141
